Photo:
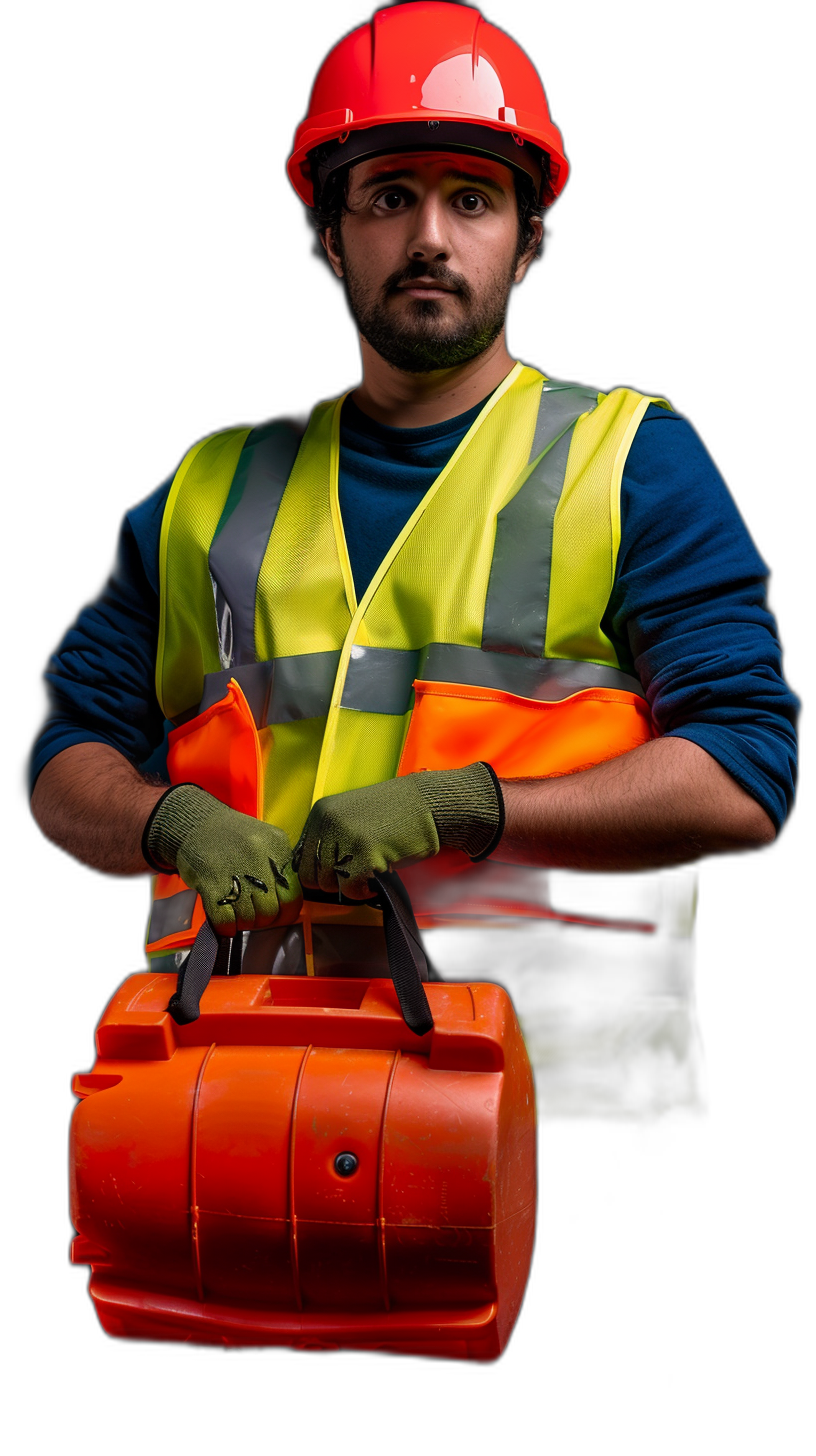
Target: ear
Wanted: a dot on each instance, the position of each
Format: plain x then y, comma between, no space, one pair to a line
526,259
332,253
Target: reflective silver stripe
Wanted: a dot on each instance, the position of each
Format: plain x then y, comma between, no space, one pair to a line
282,690
515,618
172,915
380,680
547,679
240,542
383,677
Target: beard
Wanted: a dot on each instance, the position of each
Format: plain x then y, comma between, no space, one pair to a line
424,340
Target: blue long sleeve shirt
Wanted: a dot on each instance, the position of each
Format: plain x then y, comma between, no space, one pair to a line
687,614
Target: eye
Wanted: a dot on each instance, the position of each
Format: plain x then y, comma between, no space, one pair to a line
391,201
471,202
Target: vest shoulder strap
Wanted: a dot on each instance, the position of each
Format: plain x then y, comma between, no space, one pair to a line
186,648
210,542
587,528
516,606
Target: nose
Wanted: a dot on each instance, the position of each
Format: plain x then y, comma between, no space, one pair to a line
429,238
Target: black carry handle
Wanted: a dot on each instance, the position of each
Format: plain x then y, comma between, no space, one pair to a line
194,976
406,956
406,960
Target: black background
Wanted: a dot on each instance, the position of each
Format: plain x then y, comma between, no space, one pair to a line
177,291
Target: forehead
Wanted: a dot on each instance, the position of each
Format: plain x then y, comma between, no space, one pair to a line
431,168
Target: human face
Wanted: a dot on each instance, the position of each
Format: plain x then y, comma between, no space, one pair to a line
428,251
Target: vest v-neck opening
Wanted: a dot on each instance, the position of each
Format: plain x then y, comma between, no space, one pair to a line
384,472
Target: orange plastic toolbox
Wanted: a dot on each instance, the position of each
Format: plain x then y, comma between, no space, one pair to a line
297,1167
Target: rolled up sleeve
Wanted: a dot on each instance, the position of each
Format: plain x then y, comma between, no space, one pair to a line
689,608
101,679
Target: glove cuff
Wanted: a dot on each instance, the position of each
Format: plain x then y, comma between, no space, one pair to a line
182,808
467,807
494,842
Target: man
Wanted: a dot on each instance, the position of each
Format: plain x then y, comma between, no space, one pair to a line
472,617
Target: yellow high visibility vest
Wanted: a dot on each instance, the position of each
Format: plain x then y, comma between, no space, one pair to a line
497,583
479,636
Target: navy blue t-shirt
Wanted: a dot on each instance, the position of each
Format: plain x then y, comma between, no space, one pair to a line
687,613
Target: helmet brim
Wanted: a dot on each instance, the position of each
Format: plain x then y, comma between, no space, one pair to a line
402,134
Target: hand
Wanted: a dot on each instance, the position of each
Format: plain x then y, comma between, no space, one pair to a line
348,838
241,867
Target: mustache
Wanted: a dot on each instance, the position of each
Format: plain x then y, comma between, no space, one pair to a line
439,272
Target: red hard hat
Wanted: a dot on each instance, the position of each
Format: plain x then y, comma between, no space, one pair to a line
428,75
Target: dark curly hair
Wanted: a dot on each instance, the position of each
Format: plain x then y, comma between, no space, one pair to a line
332,201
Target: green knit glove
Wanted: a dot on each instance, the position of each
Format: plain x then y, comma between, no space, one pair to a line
241,867
350,837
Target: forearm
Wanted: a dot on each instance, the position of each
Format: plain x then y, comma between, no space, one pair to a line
665,803
92,802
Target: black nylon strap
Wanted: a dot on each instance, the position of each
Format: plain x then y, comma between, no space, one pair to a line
211,955
406,956
236,956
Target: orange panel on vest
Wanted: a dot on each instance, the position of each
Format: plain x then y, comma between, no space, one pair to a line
455,724
220,751
520,737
